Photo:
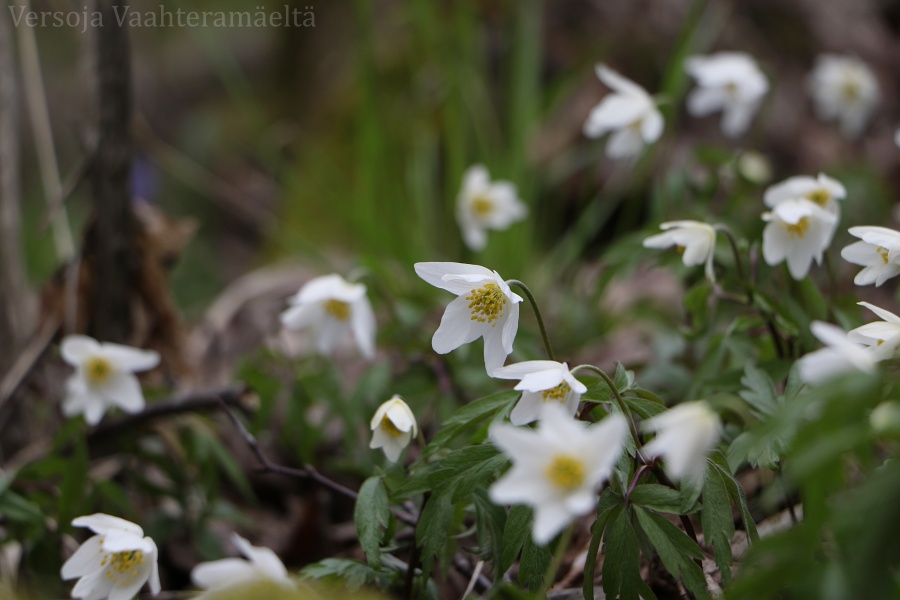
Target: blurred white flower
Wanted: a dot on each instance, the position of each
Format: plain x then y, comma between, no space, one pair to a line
393,426
684,435
113,564
483,204
878,253
799,231
897,138
104,377
823,190
332,307
558,467
695,239
630,114
843,89
258,564
755,167
485,306
882,338
730,82
541,382
840,355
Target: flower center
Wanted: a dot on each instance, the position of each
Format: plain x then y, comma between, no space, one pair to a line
486,303
852,90
337,309
819,196
731,89
98,370
482,206
883,252
566,472
799,228
389,428
122,567
557,394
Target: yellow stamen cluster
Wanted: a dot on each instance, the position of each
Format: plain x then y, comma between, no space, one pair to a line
337,309
389,428
852,90
487,303
884,253
566,471
818,196
122,567
482,206
799,228
557,394
98,370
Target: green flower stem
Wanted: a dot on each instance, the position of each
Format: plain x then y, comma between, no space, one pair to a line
622,406
550,574
537,314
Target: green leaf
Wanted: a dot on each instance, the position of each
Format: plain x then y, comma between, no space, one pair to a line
463,470
469,416
597,389
490,519
644,403
433,530
372,513
675,549
624,378
716,519
736,493
609,505
760,391
18,509
657,497
515,532
533,565
352,573
621,562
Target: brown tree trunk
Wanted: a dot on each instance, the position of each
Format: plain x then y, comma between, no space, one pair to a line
112,250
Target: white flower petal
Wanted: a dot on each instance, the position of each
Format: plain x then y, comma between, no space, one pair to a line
883,314
549,519
130,359
527,409
264,559
124,391
624,143
362,321
456,328
537,381
75,349
84,560
102,523
301,316
435,272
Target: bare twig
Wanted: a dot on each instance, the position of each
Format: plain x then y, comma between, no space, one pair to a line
26,360
474,579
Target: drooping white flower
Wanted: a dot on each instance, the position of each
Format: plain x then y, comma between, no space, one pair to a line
730,82
541,382
684,435
115,563
822,189
843,89
696,240
104,377
483,204
558,467
258,564
484,307
629,114
841,355
878,253
799,231
393,426
882,338
332,307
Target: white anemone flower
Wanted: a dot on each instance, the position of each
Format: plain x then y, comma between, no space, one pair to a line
822,189
799,231
841,355
557,468
844,89
115,563
878,253
695,239
483,204
541,382
629,114
684,436
730,82
331,306
258,565
104,377
393,426
882,338
484,307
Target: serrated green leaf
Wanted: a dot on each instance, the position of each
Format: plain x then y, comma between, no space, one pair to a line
515,532
607,508
433,529
462,470
644,406
716,519
490,519
469,416
675,549
352,573
760,391
597,389
735,493
624,378
657,497
371,514
533,565
621,559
